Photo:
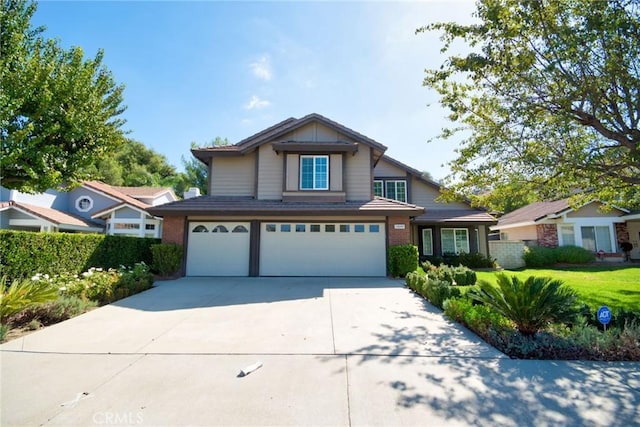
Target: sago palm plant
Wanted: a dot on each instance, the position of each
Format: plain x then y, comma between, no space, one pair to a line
531,304
22,294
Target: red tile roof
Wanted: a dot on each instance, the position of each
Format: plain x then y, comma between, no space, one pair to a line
141,191
52,215
116,194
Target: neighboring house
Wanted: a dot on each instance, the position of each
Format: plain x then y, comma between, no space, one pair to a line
553,224
93,207
311,197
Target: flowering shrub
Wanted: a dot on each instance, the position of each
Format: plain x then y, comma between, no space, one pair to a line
105,286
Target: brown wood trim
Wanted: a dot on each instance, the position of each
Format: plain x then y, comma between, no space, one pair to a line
344,173
386,244
314,147
185,242
257,173
209,175
409,186
254,249
284,173
373,165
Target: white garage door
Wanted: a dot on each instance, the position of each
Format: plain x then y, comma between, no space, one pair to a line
314,249
218,249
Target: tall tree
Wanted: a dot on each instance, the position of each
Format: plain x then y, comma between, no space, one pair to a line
134,164
550,92
195,172
58,110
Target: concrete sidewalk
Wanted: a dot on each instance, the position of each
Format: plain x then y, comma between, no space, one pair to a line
334,352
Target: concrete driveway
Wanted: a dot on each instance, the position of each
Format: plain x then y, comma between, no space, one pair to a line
334,352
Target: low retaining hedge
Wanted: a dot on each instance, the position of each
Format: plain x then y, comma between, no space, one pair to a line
23,253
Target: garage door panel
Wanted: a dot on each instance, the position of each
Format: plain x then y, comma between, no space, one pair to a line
322,253
218,249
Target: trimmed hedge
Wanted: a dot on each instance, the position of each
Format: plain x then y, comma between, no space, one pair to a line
539,256
24,253
402,260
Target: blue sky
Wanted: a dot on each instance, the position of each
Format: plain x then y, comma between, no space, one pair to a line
197,70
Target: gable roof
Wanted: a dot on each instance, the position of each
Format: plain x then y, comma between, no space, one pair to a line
54,216
114,193
278,130
455,216
144,192
415,172
537,211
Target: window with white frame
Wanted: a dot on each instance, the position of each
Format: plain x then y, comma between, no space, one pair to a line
314,172
567,235
596,238
378,188
84,203
395,189
427,241
454,240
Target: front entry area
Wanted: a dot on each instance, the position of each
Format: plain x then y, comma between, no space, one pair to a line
322,249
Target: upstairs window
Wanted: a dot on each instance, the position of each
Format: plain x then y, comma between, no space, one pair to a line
314,172
378,188
396,190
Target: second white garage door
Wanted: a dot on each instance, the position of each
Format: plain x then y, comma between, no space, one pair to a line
218,249
319,249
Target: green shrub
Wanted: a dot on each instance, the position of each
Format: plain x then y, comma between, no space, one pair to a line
460,276
531,304
476,260
539,256
24,253
167,258
574,255
415,281
478,318
438,291
402,260
106,286
22,294
53,312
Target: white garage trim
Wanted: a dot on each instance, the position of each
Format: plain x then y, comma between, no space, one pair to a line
322,249
218,248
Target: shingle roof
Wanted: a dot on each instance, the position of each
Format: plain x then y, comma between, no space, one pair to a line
242,205
455,215
534,212
52,215
279,129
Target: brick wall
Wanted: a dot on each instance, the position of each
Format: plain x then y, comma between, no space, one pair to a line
507,254
622,233
173,230
396,236
547,235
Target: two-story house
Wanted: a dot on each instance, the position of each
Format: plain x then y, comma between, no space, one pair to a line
92,207
311,197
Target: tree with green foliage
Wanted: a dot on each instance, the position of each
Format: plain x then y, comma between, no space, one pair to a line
531,304
550,92
58,110
133,164
195,172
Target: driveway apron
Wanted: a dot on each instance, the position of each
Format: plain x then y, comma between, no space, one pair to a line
333,351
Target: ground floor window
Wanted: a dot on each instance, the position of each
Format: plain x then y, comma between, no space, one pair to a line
568,237
454,240
427,241
596,238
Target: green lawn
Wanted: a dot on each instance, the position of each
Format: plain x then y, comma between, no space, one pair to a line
616,287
